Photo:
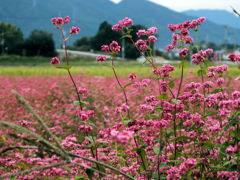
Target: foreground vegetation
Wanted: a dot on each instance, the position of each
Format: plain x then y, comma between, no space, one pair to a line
157,127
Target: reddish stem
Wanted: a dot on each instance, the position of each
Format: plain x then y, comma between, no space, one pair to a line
120,85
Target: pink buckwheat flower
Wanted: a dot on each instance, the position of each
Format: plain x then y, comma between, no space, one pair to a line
74,30
188,40
231,149
208,52
169,48
151,31
152,39
234,57
114,46
183,53
66,20
132,76
142,44
59,21
55,60
141,32
127,22
117,27
172,27
101,58
184,32
220,81
105,48
82,91
85,128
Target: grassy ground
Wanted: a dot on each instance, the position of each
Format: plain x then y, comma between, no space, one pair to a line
40,66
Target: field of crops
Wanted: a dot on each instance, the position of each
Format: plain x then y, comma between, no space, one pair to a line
79,119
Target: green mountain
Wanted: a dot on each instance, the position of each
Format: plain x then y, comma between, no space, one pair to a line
217,16
36,14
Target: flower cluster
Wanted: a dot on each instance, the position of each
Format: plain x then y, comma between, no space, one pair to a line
182,37
201,56
122,23
55,60
234,57
59,21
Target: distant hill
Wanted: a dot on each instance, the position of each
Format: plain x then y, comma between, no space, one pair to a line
88,14
217,16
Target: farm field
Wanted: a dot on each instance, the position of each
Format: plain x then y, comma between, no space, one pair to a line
40,66
105,119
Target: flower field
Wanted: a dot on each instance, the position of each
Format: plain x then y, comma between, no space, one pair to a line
175,123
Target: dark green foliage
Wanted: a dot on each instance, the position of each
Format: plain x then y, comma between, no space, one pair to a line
11,39
40,43
105,35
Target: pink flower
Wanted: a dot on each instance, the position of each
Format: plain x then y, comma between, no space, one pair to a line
104,48
101,58
231,149
85,128
132,76
82,91
172,27
234,57
127,22
151,31
220,81
141,32
188,40
55,60
114,46
169,48
66,20
74,30
184,32
117,27
58,21
183,53
152,39
142,44
208,52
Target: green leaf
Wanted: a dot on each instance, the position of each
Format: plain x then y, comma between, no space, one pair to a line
125,86
209,114
154,115
156,149
77,103
158,109
163,97
183,63
89,173
126,122
79,178
67,67
201,71
218,90
175,101
142,155
126,36
89,138
171,84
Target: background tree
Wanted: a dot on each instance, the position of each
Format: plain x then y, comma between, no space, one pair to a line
11,39
40,43
105,35
83,44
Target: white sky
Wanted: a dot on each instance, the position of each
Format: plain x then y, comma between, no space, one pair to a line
181,5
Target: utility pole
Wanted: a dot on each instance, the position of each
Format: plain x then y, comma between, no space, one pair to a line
123,48
2,43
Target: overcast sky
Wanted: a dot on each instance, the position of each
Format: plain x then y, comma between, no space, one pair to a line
181,5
